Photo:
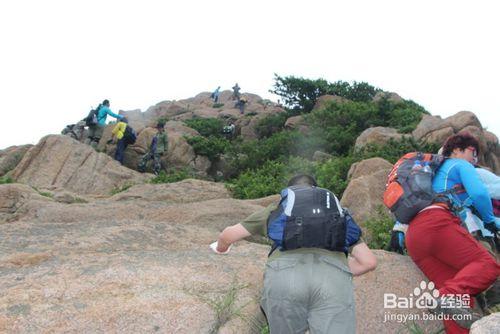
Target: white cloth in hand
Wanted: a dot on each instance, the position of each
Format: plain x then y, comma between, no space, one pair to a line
213,246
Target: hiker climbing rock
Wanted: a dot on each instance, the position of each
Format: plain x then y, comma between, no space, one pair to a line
447,254
159,145
228,131
308,277
125,136
96,121
242,101
215,95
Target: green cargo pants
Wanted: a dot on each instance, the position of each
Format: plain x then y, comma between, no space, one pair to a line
308,291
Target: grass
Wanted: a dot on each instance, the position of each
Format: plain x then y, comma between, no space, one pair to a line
223,304
6,179
379,229
79,200
46,194
171,177
218,105
119,189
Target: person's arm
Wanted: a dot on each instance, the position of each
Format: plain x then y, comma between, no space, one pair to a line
362,259
154,144
230,235
112,114
491,181
477,191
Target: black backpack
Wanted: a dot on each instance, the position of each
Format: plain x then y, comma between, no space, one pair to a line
91,118
307,217
129,135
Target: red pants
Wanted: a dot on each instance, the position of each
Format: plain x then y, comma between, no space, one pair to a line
450,257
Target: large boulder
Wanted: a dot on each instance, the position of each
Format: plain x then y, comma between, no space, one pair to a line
429,126
487,325
390,96
395,275
363,195
492,156
294,122
463,119
323,100
11,156
377,135
16,200
60,162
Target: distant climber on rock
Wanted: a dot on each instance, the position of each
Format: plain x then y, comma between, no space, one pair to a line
228,131
308,277
236,92
125,136
215,95
242,101
159,146
96,121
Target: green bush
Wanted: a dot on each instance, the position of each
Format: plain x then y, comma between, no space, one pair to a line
301,94
393,150
270,178
403,116
218,105
172,176
265,181
271,124
206,126
379,229
211,147
6,179
332,174
339,124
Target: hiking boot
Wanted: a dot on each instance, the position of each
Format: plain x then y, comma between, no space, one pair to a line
467,315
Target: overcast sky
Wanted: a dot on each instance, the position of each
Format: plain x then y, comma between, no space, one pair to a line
59,58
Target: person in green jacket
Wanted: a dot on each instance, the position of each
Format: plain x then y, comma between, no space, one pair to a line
159,145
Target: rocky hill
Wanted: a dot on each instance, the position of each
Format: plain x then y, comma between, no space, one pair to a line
88,245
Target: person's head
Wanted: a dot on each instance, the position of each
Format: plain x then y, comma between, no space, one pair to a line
462,146
160,126
105,103
302,180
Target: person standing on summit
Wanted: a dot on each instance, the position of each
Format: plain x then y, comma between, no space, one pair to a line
236,92
96,130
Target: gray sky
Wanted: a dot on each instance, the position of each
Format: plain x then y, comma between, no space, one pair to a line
59,58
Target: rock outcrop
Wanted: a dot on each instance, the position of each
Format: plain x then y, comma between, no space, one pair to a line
11,156
17,200
363,194
60,162
325,99
377,135
487,325
390,96
139,262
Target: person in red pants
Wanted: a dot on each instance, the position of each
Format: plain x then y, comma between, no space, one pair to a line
444,250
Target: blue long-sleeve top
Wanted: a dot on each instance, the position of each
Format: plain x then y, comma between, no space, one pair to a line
460,171
103,114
